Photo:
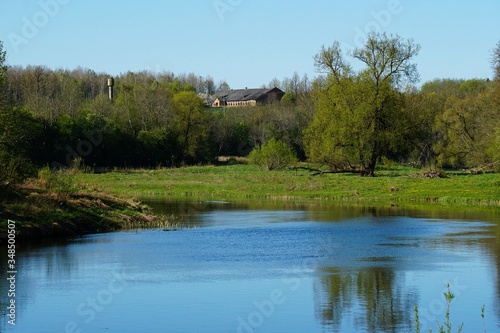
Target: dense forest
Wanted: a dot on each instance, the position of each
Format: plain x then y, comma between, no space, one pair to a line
346,119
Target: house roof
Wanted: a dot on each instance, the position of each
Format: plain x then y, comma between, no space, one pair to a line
244,94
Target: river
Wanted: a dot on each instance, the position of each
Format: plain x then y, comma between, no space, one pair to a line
266,267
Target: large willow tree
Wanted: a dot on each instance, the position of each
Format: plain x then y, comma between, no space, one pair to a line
360,116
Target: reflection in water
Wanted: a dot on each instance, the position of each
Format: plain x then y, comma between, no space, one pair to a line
385,304
192,210
492,245
371,266
4,287
55,263
488,240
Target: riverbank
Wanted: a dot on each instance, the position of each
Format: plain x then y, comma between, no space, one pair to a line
392,186
54,206
74,203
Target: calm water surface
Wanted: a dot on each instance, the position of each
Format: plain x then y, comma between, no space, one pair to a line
257,268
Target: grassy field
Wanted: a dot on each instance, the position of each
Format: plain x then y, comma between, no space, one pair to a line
52,206
397,185
62,204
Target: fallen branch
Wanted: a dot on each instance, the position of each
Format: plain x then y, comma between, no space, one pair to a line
318,172
481,169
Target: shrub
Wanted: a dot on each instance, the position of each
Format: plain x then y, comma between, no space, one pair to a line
14,168
496,151
432,171
274,155
58,182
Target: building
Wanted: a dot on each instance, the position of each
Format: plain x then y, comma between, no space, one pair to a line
247,97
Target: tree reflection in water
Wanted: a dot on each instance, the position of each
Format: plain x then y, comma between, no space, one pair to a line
375,297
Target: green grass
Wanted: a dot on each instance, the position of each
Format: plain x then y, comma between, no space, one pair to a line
53,205
395,186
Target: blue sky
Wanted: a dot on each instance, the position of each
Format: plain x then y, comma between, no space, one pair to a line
245,42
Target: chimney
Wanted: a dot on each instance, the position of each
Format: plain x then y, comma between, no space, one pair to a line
111,83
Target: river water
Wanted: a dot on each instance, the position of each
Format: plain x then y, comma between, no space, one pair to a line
262,267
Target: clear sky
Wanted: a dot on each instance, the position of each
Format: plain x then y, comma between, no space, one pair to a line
245,42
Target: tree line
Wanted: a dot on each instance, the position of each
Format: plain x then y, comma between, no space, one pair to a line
347,119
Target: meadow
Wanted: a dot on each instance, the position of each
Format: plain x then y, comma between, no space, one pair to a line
397,185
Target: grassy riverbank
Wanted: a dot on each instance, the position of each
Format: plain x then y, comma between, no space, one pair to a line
75,203
53,205
397,185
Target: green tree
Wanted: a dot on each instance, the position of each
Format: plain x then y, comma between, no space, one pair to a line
70,93
158,147
496,61
20,137
17,130
191,124
421,109
3,77
360,116
229,131
223,86
39,90
154,102
468,127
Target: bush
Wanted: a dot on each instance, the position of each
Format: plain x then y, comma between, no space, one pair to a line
20,135
57,182
14,168
274,155
432,171
496,152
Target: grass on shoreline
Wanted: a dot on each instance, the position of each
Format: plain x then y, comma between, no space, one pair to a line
397,185
53,206
73,203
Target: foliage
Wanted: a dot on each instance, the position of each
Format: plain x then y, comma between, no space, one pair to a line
3,77
158,146
230,131
19,134
468,128
347,119
431,170
274,155
56,182
189,120
289,98
495,61
496,150
360,116
14,168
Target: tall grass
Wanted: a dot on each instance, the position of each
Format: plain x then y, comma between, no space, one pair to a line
447,326
60,183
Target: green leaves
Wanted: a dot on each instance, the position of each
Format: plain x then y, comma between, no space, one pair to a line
274,155
3,77
468,125
360,117
190,118
19,135
330,60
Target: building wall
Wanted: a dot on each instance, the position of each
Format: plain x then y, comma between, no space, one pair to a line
242,103
269,97
217,103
